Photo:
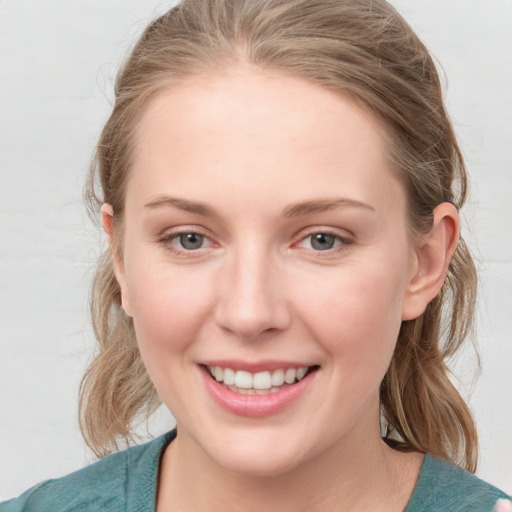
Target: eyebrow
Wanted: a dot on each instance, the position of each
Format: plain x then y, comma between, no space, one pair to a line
323,205
182,204
293,210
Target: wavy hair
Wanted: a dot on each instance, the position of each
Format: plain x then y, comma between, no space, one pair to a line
359,48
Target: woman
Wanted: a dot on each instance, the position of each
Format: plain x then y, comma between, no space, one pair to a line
279,183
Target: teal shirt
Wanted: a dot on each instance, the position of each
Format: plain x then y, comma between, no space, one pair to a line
126,482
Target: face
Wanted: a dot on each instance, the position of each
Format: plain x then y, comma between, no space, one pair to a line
265,242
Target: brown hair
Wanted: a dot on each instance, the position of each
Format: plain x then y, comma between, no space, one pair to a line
360,48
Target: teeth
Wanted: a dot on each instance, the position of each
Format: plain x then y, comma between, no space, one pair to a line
243,379
262,380
301,372
278,378
259,383
259,392
289,376
229,377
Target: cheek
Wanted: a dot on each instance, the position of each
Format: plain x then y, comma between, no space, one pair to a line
356,315
169,312
168,304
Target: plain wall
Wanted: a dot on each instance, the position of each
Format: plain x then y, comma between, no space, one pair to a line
57,64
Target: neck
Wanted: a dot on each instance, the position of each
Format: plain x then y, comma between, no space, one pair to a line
373,476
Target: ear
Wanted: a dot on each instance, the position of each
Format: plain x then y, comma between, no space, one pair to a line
431,259
107,221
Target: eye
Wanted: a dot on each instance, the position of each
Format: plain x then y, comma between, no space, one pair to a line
185,242
322,241
190,241
325,242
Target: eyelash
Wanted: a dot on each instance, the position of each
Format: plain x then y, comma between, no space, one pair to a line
342,242
168,241
169,238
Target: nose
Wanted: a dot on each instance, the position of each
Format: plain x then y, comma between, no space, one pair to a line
252,299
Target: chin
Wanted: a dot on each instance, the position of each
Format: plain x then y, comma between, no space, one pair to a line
256,465
256,453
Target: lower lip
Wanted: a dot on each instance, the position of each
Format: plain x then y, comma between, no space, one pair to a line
256,406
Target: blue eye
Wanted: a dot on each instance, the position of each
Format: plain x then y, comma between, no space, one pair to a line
322,241
191,241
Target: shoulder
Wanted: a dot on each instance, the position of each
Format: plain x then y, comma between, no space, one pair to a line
442,486
123,481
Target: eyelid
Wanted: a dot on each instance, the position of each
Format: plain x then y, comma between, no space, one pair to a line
344,240
168,236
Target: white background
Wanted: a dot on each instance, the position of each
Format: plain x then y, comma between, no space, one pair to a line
57,63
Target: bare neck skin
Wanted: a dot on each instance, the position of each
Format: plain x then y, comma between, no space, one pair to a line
369,477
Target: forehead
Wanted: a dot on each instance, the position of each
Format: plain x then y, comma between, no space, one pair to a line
259,132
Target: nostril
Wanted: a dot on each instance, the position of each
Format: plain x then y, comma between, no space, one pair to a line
250,302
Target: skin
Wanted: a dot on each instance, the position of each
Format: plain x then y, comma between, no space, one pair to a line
249,146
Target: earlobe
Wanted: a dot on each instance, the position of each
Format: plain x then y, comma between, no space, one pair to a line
107,221
433,255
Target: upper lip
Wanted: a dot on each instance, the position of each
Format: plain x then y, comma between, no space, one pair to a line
254,366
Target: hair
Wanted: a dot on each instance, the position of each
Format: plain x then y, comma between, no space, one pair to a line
362,49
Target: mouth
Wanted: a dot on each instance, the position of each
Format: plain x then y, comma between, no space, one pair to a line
259,383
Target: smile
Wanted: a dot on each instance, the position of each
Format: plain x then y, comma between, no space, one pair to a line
260,393
260,383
